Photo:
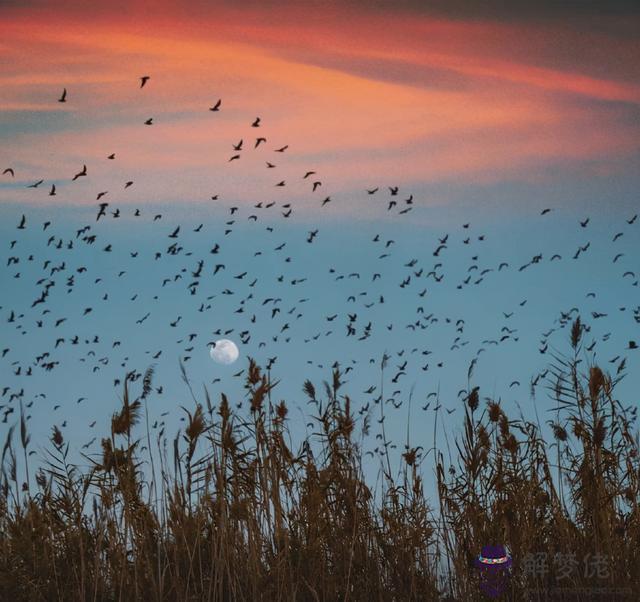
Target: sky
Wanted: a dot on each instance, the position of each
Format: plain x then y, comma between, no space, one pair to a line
479,115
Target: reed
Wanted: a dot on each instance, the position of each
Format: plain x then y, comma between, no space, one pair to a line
233,509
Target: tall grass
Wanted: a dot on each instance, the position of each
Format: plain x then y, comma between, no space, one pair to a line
230,509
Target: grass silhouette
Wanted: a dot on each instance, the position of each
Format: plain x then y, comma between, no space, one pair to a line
231,510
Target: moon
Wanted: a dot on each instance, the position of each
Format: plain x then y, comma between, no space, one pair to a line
224,351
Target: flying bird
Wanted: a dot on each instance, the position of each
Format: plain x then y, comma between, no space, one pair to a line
63,98
80,173
143,80
103,210
216,107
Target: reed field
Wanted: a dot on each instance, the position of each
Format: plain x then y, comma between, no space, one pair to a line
234,508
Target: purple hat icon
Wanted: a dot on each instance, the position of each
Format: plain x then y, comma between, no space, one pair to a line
493,556
494,567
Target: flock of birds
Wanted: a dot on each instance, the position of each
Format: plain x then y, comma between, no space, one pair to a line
58,272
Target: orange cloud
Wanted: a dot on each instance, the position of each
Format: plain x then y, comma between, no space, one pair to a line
353,101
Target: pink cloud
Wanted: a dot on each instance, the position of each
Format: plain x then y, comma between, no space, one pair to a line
515,112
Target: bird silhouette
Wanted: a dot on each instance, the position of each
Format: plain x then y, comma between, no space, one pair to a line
103,210
81,173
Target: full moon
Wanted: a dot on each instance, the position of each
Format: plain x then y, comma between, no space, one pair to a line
224,351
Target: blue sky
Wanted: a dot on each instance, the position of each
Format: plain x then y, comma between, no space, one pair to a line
549,287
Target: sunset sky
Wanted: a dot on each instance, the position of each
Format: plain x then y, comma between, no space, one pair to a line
457,95
484,114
